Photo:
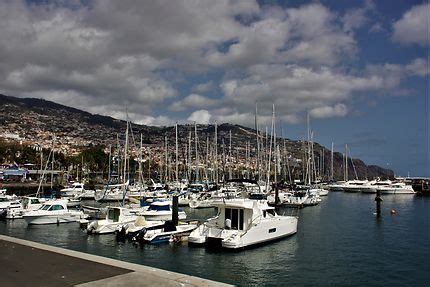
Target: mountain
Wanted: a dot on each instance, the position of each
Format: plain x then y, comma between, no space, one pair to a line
34,121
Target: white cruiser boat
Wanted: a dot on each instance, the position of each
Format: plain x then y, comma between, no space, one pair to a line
27,204
129,230
160,210
356,185
115,216
396,188
52,212
74,189
160,235
242,223
8,202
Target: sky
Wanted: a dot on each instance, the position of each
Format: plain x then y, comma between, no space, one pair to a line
359,68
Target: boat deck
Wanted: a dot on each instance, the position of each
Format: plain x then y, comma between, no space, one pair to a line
26,263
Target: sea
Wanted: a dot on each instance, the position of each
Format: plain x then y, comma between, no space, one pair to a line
339,242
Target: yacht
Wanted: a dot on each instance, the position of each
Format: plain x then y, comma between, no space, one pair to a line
73,189
51,212
243,222
115,217
161,210
7,202
27,204
396,188
355,185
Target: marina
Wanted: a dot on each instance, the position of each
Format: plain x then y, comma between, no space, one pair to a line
338,242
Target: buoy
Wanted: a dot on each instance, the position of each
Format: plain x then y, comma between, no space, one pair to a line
393,211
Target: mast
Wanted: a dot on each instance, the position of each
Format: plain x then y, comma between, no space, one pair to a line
258,142
166,156
141,161
197,152
189,155
110,155
346,162
176,154
331,162
270,150
216,152
229,159
275,146
53,159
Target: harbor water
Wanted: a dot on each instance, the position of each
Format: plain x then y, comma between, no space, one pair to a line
339,242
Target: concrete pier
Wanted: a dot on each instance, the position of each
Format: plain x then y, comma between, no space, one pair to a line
27,263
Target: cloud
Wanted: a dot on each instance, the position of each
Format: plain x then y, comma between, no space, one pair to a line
107,57
339,110
200,117
203,88
358,17
377,28
413,27
418,67
193,101
316,39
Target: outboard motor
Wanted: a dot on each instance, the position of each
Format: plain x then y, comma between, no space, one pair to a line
139,236
92,227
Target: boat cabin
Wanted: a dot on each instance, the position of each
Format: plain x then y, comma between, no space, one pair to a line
54,206
240,215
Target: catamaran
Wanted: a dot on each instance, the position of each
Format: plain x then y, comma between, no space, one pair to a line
242,223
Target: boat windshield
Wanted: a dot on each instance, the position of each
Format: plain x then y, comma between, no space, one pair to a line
45,207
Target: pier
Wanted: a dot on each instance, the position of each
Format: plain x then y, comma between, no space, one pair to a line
26,263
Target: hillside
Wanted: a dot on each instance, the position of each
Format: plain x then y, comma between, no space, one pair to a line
34,121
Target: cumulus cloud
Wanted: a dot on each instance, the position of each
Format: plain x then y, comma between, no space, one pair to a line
193,101
357,17
203,88
149,58
338,110
200,117
316,38
413,27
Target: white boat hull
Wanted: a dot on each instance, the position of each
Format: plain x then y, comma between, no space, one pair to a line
53,219
265,231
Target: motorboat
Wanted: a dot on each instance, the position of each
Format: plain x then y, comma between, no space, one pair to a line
53,212
111,193
73,189
160,235
28,203
396,188
131,229
161,210
243,222
115,217
8,202
355,185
